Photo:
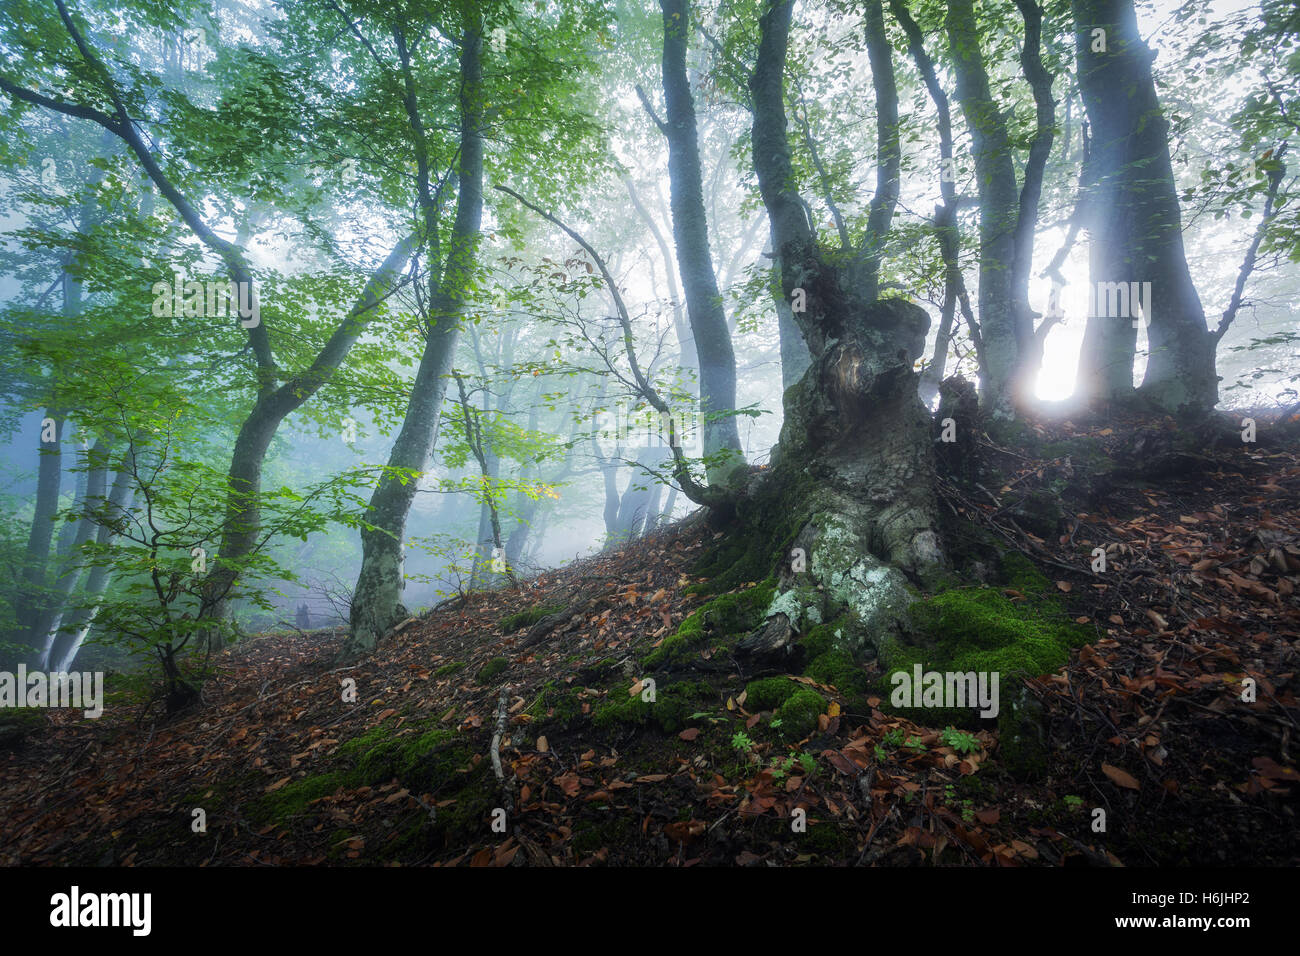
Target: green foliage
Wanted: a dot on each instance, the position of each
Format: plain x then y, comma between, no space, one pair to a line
959,741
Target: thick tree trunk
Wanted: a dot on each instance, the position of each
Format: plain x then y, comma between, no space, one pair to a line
377,599
854,485
1109,345
695,260
1138,220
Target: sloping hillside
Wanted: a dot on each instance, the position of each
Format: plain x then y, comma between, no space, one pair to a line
724,760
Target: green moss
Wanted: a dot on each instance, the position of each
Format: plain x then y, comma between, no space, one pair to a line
980,629
451,668
1022,574
731,615
828,839
798,715
513,622
294,798
838,669
614,830
670,710
555,705
422,763
491,669
825,638
769,693
759,540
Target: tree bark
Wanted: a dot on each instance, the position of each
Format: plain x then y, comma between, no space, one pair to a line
717,358
1138,220
69,632
32,594
377,599
945,216
855,478
995,174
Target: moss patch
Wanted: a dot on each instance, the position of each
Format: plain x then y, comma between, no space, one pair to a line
670,710
768,693
982,630
1022,574
838,669
798,715
491,669
436,761
526,618
731,615
451,668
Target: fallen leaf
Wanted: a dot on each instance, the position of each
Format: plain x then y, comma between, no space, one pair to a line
1120,777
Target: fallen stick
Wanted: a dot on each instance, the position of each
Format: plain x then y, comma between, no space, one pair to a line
502,713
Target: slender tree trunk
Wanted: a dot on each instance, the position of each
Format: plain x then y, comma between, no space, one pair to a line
695,260
866,269
685,341
32,595
1139,223
1029,344
377,599
70,631
999,208
946,226
91,502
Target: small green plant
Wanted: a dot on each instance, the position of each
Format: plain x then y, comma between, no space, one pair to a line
881,753
776,723
914,743
960,741
741,741
809,764
1073,802
894,738
780,768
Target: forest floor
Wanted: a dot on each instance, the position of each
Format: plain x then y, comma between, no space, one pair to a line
1146,723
